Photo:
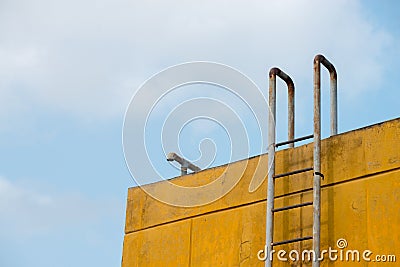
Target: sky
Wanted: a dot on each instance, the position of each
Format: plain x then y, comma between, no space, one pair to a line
69,70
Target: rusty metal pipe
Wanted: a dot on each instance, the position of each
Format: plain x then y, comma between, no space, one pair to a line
271,149
290,85
318,60
271,168
185,164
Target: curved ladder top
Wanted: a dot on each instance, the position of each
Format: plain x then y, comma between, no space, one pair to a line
272,99
318,60
277,72
321,59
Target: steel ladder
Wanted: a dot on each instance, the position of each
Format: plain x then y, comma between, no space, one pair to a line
272,145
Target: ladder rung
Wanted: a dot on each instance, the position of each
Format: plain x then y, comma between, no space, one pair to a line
295,140
320,174
291,240
293,172
293,206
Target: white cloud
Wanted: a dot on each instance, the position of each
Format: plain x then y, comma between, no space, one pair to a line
86,58
28,213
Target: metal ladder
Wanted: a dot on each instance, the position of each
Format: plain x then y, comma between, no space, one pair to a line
272,145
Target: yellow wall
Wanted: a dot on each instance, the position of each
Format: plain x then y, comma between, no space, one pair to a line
360,203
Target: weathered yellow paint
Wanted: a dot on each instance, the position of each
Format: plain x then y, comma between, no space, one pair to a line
360,202
155,247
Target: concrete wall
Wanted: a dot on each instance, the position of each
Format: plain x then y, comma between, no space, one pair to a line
360,203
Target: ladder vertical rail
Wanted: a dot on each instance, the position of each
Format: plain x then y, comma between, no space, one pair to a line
271,169
318,60
290,85
271,151
334,116
317,162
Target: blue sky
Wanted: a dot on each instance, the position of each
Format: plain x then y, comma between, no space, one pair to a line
68,70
